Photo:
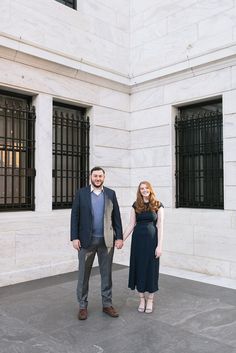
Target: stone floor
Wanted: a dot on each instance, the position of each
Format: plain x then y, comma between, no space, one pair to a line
41,317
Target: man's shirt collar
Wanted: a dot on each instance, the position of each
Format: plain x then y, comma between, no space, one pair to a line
95,190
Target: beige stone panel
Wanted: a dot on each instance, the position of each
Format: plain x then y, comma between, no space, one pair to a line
153,117
114,99
126,212
7,250
230,173
58,268
164,194
196,263
136,23
229,126
230,149
24,275
210,44
233,270
10,224
217,23
165,9
58,34
43,155
157,136
33,79
37,29
146,99
163,52
117,177
107,117
151,156
234,33
133,194
155,10
110,33
233,69
137,6
197,13
125,196
178,238
121,7
48,61
229,105
178,216
61,87
233,219
155,175
191,88
98,10
35,272
216,243
38,247
209,218
110,137
149,32
63,251
230,198
6,53
110,157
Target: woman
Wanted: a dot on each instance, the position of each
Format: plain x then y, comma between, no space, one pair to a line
146,223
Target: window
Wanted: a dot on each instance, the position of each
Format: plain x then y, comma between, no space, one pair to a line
70,3
199,156
70,153
17,146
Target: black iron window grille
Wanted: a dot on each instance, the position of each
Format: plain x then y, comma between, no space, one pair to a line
199,156
70,3
70,153
17,147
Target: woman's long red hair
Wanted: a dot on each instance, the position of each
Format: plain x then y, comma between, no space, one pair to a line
153,204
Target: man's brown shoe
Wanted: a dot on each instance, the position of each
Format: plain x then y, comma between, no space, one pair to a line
110,311
83,314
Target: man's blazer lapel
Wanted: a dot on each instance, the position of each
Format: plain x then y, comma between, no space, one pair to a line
88,198
108,230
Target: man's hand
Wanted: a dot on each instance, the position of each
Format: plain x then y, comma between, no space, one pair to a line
119,244
76,244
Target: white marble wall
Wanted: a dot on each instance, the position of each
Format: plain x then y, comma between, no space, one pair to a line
167,33
37,244
96,34
195,239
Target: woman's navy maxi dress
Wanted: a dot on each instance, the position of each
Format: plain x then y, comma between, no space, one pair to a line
144,267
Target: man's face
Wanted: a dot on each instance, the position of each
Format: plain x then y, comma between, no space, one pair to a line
97,178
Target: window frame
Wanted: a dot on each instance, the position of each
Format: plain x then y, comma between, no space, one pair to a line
18,153
76,173
199,164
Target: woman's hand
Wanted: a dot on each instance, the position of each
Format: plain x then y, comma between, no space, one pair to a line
158,251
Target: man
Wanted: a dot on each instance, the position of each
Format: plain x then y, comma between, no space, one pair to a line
95,229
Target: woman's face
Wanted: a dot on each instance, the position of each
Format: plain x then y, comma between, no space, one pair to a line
144,190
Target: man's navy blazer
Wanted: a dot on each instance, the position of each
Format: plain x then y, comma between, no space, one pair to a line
82,219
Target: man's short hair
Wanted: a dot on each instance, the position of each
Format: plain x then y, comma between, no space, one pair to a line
94,169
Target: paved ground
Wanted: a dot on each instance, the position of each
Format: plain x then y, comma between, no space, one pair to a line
41,317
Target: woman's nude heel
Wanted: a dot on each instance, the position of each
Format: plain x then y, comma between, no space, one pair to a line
149,306
142,303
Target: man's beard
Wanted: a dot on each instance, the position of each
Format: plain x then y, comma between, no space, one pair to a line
97,186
